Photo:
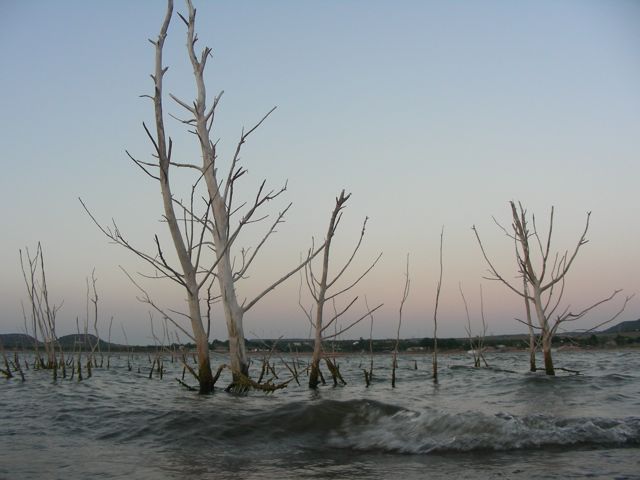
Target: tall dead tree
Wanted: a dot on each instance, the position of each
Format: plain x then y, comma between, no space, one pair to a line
543,276
188,244
320,291
221,188
223,218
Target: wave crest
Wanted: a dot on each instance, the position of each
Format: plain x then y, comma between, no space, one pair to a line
428,431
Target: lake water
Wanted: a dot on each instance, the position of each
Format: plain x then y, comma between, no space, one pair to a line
501,422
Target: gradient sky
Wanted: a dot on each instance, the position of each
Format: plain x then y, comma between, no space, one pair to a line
430,112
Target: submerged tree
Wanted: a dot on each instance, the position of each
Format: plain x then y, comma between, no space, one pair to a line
475,344
223,205
435,315
405,295
320,290
187,243
203,261
43,313
543,277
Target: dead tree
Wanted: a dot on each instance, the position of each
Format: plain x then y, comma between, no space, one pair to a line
220,188
544,275
483,334
94,300
435,315
405,295
43,313
368,375
223,218
476,343
188,243
320,290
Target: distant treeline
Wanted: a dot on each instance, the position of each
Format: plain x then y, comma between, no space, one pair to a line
499,342
510,342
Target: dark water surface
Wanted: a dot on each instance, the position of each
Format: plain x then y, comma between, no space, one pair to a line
500,422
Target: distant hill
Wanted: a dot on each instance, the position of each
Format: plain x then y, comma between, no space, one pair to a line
16,340
624,327
69,342
21,341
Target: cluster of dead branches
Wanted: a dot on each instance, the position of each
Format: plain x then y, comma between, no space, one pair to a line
41,312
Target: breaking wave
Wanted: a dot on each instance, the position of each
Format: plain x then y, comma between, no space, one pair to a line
370,427
367,425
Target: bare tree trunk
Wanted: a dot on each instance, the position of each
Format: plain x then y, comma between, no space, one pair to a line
405,295
548,360
238,359
322,291
532,336
368,376
435,315
94,300
532,352
205,376
546,331
317,354
484,331
233,312
109,345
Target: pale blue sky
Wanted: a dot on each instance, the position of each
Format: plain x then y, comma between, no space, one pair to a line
429,112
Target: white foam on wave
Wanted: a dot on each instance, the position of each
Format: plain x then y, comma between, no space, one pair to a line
432,431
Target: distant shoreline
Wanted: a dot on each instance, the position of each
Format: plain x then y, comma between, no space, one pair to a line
606,340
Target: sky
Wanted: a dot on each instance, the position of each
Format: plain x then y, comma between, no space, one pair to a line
431,113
